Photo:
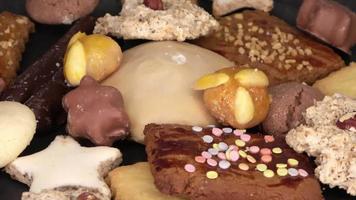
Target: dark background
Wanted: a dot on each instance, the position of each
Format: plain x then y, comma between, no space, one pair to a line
45,36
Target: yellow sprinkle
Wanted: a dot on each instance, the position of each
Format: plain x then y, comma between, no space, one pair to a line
261,167
251,159
242,154
216,146
227,154
268,173
282,172
292,162
281,165
277,150
240,143
243,166
212,174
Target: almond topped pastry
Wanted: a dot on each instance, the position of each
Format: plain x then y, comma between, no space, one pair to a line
268,43
14,33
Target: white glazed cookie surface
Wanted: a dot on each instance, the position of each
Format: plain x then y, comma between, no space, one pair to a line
64,163
222,7
180,20
334,148
17,127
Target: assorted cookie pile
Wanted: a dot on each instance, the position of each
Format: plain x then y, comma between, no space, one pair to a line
228,115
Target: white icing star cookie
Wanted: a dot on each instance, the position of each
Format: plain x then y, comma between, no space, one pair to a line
66,164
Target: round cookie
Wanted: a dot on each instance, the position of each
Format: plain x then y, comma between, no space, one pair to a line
156,81
59,11
17,125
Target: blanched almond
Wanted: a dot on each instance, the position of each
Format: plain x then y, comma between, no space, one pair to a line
75,63
211,80
244,107
252,78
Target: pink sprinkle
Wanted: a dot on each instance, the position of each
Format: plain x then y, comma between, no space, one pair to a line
238,132
200,159
212,162
266,158
234,156
233,147
189,168
245,137
269,138
206,154
217,132
303,173
222,156
254,149
266,151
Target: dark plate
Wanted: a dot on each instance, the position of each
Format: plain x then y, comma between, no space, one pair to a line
45,36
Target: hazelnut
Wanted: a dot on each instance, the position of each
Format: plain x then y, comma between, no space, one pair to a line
87,196
347,122
95,55
154,4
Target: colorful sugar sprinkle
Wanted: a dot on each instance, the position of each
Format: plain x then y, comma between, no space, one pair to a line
200,159
266,151
303,173
224,164
281,165
239,132
277,150
266,158
254,149
212,162
244,166
216,146
292,162
242,154
223,146
293,172
212,174
282,172
227,130
234,156
251,159
261,167
268,173
211,126
206,154
240,143
217,132
269,138
213,151
197,128
222,155
233,147
245,137
189,168
207,139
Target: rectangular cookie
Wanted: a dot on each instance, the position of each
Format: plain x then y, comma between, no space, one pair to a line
14,33
175,154
260,40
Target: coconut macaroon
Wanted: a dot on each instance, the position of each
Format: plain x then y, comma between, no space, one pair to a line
330,135
175,20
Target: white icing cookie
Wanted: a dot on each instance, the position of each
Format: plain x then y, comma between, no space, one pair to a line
156,81
64,163
135,182
17,127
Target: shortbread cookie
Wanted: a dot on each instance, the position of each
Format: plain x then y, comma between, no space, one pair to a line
223,7
333,147
179,20
135,182
156,81
17,127
66,167
219,164
342,81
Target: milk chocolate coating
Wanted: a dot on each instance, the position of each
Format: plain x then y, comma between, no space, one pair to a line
329,21
96,112
2,84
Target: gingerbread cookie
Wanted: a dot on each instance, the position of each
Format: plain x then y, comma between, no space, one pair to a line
66,167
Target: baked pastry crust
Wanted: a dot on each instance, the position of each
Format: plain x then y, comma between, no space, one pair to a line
270,44
170,147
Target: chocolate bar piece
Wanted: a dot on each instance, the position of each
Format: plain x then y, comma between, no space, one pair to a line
218,164
329,21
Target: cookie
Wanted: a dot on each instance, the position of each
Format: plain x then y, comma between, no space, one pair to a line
172,20
17,125
330,135
223,7
342,82
66,167
157,85
135,182
200,163
268,43
289,102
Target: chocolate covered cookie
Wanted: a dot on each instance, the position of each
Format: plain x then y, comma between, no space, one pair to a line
212,163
